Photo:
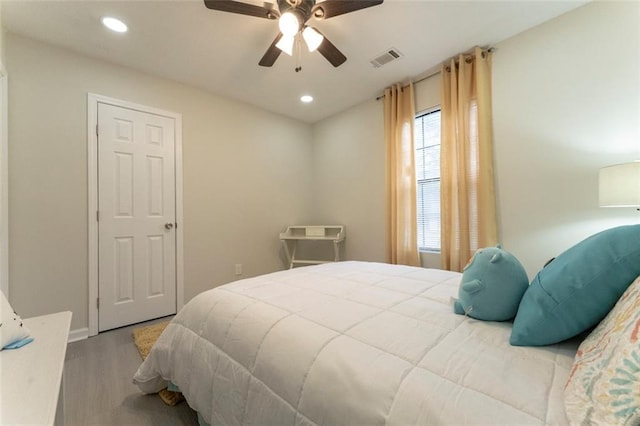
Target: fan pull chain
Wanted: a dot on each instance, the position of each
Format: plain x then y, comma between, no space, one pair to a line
296,53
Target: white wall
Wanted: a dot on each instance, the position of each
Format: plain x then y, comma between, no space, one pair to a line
4,258
2,37
246,176
348,155
566,101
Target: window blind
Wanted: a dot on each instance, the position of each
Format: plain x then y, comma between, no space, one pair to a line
427,145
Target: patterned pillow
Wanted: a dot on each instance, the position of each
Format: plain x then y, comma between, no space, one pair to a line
604,384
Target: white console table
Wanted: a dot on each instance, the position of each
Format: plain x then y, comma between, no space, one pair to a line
32,391
293,234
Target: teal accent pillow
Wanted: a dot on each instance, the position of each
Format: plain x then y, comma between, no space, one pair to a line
492,285
578,288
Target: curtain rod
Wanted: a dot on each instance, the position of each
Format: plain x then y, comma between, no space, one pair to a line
424,77
436,70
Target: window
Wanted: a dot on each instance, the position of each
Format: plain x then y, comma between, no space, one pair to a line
427,141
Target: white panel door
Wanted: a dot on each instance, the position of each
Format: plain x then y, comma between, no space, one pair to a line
136,225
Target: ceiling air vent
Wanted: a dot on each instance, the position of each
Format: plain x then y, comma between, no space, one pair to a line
386,57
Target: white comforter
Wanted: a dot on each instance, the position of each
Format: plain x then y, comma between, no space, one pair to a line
352,343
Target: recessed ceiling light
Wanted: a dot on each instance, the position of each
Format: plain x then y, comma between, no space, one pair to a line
114,24
306,99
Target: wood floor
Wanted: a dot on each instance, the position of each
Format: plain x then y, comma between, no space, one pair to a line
99,390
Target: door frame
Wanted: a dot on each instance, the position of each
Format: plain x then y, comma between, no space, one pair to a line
92,170
4,180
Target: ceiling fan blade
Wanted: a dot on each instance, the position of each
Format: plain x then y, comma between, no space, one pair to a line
331,52
330,8
271,54
242,8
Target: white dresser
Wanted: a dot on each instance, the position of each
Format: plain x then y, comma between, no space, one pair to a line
32,391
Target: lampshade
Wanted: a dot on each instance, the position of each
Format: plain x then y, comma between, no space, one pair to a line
289,24
620,185
312,38
286,44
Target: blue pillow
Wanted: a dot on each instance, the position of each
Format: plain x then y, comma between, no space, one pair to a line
578,288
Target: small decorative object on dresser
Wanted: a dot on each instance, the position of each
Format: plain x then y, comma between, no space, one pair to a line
13,332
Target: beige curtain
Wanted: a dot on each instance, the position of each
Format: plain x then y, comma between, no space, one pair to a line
468,213
399,116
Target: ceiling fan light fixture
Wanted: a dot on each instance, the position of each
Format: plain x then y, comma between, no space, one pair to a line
289,24
286,44
312,38
293,16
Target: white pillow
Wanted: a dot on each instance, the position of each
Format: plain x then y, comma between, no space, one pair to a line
13,333
604,385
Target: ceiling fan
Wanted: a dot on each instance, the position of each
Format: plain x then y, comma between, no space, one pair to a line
292,18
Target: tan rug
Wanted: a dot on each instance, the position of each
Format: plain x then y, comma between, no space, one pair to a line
144,338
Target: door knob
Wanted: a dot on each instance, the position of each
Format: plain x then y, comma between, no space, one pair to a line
168,225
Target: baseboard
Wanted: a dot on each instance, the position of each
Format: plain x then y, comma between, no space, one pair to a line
79,334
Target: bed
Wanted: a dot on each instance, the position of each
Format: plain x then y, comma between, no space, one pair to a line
353,343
